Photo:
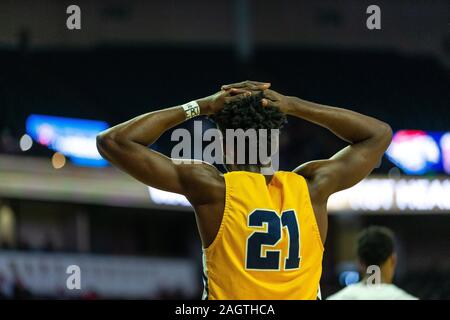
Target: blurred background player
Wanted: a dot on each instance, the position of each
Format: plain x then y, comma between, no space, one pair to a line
375,248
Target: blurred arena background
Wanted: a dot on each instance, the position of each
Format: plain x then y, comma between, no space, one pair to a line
61,204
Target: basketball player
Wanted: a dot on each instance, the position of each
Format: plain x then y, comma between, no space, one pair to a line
375,248
262,235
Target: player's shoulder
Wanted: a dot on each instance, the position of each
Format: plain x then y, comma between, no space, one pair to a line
399,294
292,175
201,181
350,292
311,168
319,177
192,167
360,291
200,177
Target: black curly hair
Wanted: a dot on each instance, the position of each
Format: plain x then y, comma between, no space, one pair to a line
248,113
375,245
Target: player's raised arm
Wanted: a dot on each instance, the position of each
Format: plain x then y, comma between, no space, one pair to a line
368,139
126,146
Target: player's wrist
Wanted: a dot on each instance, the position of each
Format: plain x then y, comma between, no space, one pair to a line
291,105
298,107
191,109
205,106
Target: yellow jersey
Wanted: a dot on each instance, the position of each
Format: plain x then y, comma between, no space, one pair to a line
268,245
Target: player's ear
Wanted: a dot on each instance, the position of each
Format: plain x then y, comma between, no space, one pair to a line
393,259
362,267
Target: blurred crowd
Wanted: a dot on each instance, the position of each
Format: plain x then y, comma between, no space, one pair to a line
15,288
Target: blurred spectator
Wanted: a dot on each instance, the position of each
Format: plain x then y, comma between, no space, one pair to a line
375,249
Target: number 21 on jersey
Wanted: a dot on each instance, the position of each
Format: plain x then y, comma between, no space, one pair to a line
269,260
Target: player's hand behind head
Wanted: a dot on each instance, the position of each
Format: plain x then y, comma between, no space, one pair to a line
271,98
215,102
247,85
275,99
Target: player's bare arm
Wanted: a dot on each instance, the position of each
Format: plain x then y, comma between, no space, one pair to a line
126,147
368,139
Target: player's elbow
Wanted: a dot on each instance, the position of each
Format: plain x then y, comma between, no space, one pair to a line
385,133
106,142
101,142
381,138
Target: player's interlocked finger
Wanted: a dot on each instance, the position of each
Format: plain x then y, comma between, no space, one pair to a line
267,103
248,84
237,97
236,91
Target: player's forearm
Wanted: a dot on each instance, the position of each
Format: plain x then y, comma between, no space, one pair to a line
350,126
144,129
147,128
